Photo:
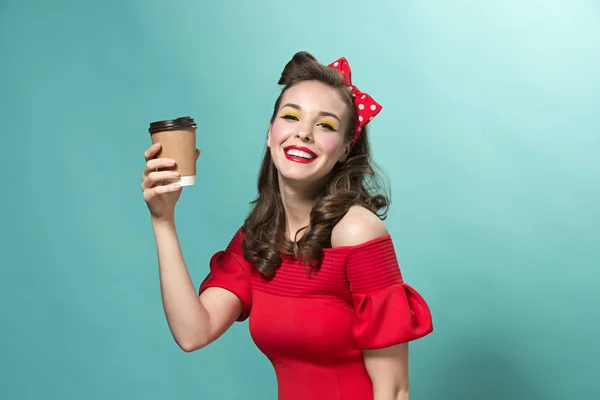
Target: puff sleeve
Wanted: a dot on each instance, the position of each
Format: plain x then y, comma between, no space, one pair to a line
229,270
387,310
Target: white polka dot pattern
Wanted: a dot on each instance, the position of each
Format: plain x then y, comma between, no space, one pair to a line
366,106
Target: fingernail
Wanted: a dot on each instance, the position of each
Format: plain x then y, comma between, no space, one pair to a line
171,162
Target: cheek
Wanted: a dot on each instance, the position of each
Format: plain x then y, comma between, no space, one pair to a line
331,144
279,132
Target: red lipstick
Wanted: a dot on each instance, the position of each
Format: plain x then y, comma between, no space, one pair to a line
297,158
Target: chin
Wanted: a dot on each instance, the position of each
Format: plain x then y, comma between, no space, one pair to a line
297,176
300,173
293,175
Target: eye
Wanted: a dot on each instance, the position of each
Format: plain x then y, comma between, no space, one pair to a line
327,126
290,117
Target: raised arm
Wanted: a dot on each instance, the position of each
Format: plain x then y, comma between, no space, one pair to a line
194,321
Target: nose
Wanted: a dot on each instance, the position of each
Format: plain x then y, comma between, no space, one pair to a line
305,134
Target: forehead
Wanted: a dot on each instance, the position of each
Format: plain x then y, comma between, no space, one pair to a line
314,96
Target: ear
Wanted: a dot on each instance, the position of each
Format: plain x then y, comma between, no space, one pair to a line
345,153
269,137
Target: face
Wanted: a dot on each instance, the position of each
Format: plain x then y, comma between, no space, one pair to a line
306,138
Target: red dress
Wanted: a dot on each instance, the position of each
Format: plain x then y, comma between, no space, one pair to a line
313,328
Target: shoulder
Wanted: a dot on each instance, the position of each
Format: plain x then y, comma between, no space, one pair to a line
358,226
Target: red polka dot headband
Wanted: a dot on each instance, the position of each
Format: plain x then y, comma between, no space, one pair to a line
366,107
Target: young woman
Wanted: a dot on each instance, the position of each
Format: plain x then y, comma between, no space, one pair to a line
313,265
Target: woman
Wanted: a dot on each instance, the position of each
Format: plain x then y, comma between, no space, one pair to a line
313,264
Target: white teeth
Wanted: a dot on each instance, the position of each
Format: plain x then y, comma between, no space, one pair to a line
299,153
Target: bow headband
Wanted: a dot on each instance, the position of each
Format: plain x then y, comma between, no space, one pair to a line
366,107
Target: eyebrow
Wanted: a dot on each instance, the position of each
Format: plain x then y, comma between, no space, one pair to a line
325,113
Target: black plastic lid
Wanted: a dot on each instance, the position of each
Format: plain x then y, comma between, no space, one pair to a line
172,124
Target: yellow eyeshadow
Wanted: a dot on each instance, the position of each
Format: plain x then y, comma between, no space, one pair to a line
329,123
290,114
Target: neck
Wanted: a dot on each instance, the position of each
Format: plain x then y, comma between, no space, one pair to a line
298,200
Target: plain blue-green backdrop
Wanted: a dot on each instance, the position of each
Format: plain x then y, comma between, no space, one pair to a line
489,135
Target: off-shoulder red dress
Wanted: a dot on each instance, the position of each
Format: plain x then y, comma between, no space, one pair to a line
313,328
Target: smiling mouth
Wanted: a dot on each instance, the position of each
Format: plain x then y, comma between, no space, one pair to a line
299,154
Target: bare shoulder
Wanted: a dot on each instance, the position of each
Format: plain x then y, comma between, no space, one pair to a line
359,225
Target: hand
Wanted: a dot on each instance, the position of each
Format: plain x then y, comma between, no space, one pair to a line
160,195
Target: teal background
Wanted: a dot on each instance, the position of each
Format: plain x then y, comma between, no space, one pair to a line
489,134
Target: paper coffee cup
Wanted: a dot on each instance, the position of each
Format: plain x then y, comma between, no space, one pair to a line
178,141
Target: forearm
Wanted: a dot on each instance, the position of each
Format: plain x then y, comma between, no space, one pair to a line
402,395
185,314
391,393
388,370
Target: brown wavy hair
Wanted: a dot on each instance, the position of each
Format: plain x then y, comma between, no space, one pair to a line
353,182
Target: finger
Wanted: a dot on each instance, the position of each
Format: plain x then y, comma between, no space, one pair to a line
154,178
151,151
156,163
197,153
158,176
149,194
162,189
